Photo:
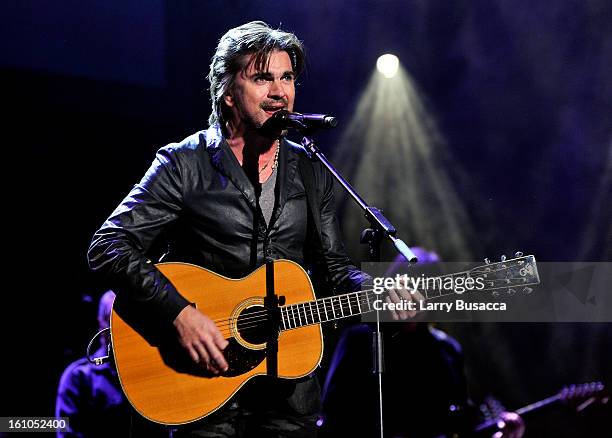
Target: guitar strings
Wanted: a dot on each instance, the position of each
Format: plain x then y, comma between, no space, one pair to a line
307,313
333,300
335,303
502,268
490,271
253,320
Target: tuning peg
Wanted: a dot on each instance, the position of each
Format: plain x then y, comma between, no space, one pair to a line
503,258
487,261
527,290
511,292
518,254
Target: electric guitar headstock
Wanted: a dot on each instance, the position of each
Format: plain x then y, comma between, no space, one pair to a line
584,395
508,275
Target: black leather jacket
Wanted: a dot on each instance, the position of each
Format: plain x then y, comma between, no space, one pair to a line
196,197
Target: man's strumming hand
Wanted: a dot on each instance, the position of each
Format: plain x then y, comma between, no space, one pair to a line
199,335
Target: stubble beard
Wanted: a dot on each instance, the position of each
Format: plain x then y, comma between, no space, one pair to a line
259,127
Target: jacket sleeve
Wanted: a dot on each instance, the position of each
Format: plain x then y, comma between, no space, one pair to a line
343,274
118,249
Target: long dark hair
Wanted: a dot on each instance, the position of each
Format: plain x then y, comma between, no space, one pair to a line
258,39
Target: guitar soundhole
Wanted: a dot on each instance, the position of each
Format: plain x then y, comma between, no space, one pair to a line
252,325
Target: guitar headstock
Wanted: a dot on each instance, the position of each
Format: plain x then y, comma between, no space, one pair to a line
511,275
584,395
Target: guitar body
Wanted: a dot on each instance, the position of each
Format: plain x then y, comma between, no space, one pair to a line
161,381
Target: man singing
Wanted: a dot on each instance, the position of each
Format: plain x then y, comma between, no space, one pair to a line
227,199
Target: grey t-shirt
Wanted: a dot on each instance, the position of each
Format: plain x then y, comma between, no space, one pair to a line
267,199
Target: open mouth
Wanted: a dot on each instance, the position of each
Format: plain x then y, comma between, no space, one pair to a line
273,109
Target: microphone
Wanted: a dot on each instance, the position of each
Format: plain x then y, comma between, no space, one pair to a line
284,119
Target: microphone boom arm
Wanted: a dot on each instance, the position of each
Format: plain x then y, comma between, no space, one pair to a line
378,221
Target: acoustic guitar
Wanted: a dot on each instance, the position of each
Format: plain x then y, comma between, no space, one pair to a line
164,385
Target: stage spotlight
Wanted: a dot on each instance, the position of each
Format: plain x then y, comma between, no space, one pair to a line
393,153
388,65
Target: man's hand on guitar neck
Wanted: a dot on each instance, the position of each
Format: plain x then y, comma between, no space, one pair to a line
199,335
401,296
511,426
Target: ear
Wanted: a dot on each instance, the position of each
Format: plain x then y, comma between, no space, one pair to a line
228,99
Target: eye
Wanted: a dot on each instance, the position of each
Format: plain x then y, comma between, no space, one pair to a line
288,77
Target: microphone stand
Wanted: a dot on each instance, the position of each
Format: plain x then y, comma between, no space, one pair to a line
272,303
379,228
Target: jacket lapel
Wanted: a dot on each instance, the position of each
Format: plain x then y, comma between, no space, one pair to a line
287,165
224,160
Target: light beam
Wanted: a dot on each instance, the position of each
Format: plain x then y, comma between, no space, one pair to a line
394,155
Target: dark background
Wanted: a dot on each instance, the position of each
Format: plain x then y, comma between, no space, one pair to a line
521,91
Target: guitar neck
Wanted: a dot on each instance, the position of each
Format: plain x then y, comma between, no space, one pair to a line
490,426
539,405
327,309
341,306
518,272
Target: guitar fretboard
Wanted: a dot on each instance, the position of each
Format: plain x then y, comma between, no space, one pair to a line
326,309
512,273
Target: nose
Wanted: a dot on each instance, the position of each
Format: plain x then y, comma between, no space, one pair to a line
277,89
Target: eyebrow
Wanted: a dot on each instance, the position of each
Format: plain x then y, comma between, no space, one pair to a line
268,75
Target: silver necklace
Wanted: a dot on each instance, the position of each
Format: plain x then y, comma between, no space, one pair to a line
274,160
